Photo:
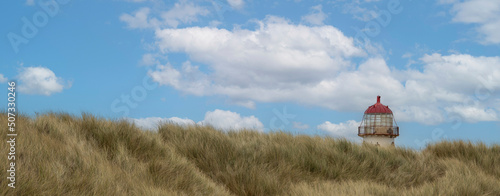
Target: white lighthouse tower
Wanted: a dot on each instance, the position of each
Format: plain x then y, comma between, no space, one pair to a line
378,126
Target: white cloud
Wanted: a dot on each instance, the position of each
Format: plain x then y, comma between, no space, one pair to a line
227,120
152,123
39,80
459,73
448,84
358,12
188,78
245,103
291,57
484,13
237,4
299,125
214,23
429,114
183,12
2,79
473,114
140,19
476,11
372,77
348,130
149,59
166,75
316,17
219,119
283,62
407,55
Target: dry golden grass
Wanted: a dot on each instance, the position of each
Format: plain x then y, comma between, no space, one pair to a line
59,154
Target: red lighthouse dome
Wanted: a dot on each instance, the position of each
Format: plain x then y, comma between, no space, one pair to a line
378,108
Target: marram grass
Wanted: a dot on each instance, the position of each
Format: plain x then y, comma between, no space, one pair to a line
60,154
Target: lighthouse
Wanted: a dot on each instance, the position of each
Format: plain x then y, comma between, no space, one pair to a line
378,126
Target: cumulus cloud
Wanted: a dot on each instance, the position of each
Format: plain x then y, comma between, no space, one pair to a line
183,12
484,13
299,125
450,85
348,130
458,73
316,17
283,62
285,55
140,19
189,78
149,59
152,123
39,80
358,10
2,79
473,113
237,4
219,119
227,120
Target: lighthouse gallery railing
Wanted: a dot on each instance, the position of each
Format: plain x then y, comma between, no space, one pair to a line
378,130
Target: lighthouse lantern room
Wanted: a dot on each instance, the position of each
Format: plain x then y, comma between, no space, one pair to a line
378,126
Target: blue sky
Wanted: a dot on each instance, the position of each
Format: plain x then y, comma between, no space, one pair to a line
308,67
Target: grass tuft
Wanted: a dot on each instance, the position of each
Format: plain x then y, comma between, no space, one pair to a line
62,154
